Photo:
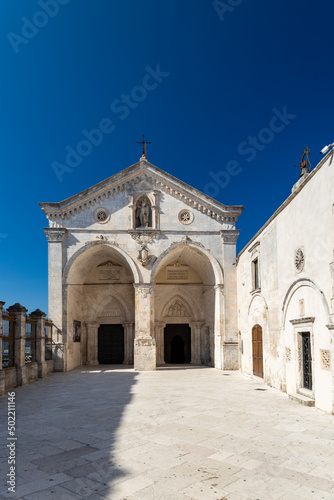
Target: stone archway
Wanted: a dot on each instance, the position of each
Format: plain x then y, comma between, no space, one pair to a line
186,293
99,291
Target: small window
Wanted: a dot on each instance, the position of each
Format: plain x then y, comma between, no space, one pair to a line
255,273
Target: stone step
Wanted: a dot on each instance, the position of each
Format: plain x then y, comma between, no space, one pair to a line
303,400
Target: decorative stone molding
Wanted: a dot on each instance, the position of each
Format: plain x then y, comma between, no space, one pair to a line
177,309
299,260
300,321
16,308
144,289
55,235
145,341
254,247
186,216
230,236
141,180
288,354
325,358
38,314
145,236
144,256
112,310
101,215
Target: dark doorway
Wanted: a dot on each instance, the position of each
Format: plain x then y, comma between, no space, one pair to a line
111,344
307,360
257,351
177,344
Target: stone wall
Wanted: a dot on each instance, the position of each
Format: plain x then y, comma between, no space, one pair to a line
294,251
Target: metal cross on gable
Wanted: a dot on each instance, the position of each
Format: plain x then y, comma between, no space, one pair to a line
143,142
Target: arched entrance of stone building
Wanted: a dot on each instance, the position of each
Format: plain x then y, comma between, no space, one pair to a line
188,306
100,297
177,343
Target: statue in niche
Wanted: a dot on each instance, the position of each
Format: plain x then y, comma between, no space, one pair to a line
143,213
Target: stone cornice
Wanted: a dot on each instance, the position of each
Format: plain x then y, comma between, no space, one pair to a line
301,321
127,181
230,236
55,234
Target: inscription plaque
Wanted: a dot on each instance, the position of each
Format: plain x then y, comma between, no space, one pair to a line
177,272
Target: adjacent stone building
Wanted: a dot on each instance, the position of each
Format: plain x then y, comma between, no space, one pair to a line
286,293
142,271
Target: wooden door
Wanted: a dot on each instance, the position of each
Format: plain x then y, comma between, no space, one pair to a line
257,351
111,344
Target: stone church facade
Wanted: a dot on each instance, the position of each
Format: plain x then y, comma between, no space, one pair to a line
143,271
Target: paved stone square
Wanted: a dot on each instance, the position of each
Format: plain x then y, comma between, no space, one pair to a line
177,433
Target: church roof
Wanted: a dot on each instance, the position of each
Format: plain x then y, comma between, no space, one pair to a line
156,179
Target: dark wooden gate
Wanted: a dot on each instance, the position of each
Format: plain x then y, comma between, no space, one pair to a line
307,360
257,351
111,344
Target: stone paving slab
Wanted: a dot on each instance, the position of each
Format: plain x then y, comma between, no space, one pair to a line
186,433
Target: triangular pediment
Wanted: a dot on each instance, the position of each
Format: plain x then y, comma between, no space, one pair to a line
141,177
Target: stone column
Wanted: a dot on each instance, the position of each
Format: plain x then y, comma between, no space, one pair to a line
92,343
40,342
128,343
144,345
219,325
55,237
331,334
159,336
155,210
230,348
20,343
196,342
2,373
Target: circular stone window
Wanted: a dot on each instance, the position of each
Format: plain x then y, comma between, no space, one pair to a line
101,215
186,216
299,260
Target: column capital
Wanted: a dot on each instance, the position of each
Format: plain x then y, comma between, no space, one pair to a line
229,236
196,324
55,235
144,289
92,324
38,314
1,305
17,308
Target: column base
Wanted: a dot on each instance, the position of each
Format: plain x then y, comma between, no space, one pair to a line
21,375
2,383
58,357
144,354
92,363
42,369
230,356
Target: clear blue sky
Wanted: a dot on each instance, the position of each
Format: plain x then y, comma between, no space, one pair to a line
224,67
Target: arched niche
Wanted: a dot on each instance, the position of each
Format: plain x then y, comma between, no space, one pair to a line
143,212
